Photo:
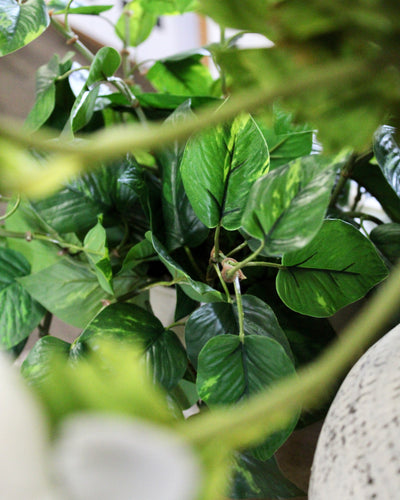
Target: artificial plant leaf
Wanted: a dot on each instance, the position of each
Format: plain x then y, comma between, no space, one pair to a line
19,312
40,254
140,23
221,318
336,268
286,142
109,379
371,177
182,227
230,370
286,207
218,168
37,364
181,77
132,324
254,478
67,289
45,98
387,153
104,65
96,250
75,208
196,290
21,23
387,238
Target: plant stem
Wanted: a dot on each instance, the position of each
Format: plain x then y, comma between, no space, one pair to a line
44,328
216,242
239,303
265,264
245,262
73,70
13,210
193,262
126,67
137,291
268,411
364,216
66,23
221,70
72,39
224,285
344,177
237,249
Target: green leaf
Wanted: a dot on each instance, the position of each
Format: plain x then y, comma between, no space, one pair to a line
387,153
181,77
140,23
221,318
253,478
68,290
196,290
76,207
139,253
373,179
104,65
40,254
336,268
83,109
96,250
19,312
286,207
37,365
387,238
184,305
45,98
129,323
230,371
164,7
182,227
219,167
21,23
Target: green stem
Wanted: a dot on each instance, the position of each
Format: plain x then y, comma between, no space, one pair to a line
126,91
73,70
268,411
66,22
344,177
221,70
223,283
216,242
176,323
245,262
115,141
193,262
265,264
364,216
239,303
72,39
13,210
237,249
126,67
44,328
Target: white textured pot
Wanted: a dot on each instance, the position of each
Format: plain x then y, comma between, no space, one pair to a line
358,451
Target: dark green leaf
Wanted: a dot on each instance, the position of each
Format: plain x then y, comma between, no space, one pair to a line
336,268
219,167
96,249
141,22
387,153
141,252
181,77
36,366
130,323
286,207
182,227
19,312
76,207
230,370
184,304
387,238
253,478
196,290
211,320
104,65
21,23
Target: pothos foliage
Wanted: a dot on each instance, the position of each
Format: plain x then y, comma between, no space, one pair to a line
251,196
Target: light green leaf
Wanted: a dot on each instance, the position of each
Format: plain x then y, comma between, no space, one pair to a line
96,250
164,7
162,349
182,227
140,22
104,65
91,10
221,318
230,371
336,268
219,167
186,76
19,312
387,153
83,108
196,290
21,23
286,207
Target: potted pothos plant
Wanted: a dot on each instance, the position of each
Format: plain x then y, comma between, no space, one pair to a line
212,187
